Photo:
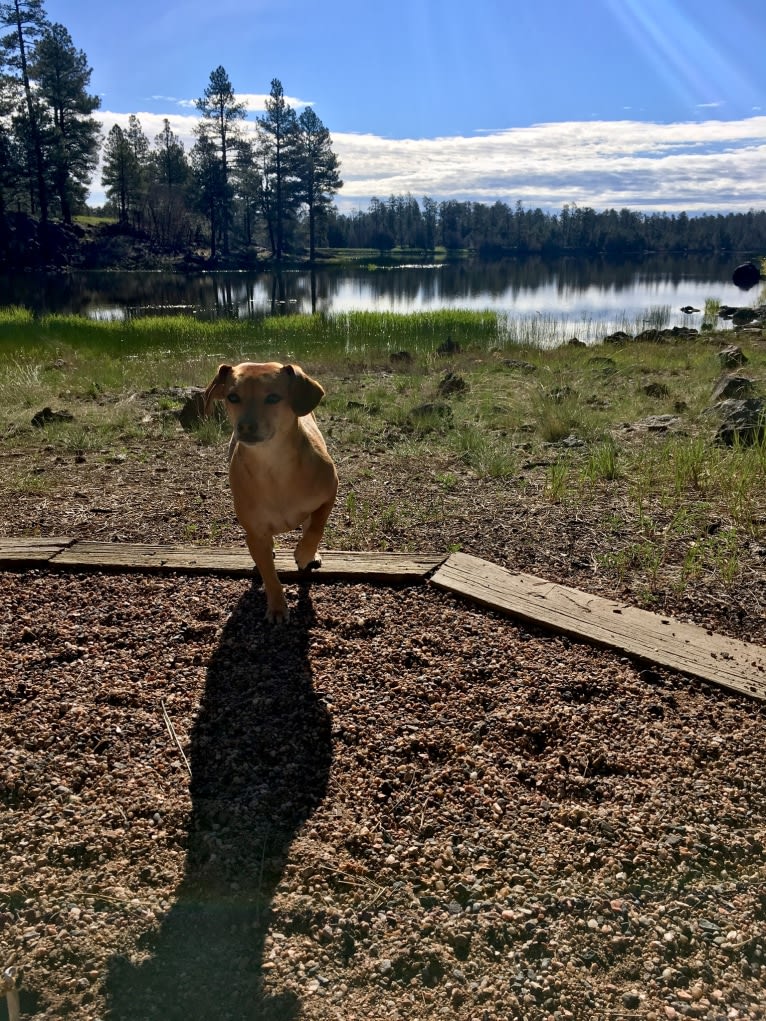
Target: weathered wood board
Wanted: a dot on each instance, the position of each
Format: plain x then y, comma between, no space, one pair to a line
36,548
693,650
335,564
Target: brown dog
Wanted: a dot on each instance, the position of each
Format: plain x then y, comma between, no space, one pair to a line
280,473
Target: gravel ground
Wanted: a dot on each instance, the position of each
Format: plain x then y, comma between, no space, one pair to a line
398,806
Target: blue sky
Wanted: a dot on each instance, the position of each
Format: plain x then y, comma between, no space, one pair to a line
648,104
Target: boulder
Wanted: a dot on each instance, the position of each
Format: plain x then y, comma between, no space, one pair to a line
746,276
732,357
192,414
733,386
744,421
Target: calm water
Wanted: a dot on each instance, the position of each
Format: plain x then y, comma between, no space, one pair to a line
585,296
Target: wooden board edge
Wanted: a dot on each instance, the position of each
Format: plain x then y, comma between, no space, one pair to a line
32,550
337,564
442,579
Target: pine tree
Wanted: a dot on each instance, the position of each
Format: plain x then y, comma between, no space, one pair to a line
222,114
121,174
168,173
279,148
209,187
72,138
319,171
27,20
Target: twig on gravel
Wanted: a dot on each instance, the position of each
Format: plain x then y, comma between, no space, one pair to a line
10,992
174,736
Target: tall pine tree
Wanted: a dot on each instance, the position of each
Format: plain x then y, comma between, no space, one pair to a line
319,171
72,135
26,21
220,127
279,150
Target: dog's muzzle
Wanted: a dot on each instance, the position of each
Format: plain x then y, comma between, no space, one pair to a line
249,434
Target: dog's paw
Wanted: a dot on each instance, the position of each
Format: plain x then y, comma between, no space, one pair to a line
279,613
308,562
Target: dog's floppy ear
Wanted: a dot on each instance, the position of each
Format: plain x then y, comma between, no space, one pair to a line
214,391
304,392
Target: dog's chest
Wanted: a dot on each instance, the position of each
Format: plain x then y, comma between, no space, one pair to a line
270,495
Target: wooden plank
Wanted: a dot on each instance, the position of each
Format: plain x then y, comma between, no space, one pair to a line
30,549
190,559
687,648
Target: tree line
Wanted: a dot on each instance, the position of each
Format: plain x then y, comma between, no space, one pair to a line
499,229
270,187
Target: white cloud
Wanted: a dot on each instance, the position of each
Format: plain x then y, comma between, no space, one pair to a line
255,102
694,166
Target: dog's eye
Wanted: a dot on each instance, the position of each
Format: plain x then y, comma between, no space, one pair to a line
233,398
273,399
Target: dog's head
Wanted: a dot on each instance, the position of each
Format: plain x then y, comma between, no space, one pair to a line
263,399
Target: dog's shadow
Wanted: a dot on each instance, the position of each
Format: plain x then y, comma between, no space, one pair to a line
260,758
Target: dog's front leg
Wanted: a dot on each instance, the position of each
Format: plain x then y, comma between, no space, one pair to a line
306,555
262,551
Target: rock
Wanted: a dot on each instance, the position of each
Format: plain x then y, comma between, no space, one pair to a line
575,342
400,357
732,386
655,390
658,423
561,393
746,275
451,383
743,316
431,410
689,310
192,414
618,337
569,442
47,415
193,411
732,357
515,363
744,422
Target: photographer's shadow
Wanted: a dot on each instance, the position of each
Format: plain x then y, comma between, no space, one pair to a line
260,758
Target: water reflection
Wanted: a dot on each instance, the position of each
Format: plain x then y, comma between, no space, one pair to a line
578,291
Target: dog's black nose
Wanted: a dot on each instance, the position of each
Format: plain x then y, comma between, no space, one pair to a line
247,432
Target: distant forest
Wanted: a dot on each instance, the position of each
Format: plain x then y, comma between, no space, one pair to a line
263,193
499,229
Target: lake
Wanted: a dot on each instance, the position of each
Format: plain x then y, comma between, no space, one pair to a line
587,297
